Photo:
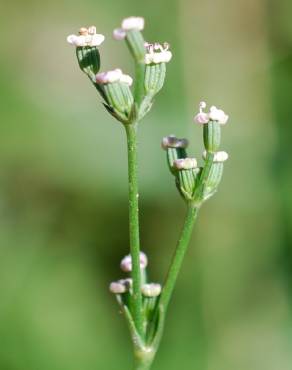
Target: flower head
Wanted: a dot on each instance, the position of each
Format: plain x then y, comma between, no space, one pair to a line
113,76
129,24
86,37
173,142
126,263
157,53
218,156
151,290
214,115
185,163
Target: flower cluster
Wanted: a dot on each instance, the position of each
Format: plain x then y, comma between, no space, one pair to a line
196,184
157,53
129,24
86,37
114,85
214,115
122,286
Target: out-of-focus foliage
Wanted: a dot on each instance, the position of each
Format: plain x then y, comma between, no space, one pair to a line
63,187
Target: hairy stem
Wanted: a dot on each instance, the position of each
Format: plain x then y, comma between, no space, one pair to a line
179,254
136,303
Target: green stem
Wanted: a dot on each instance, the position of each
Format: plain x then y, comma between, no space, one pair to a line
144,359
136,303
179,254
139,82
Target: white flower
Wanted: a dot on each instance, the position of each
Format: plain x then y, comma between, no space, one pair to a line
151,290
218,115
86,37
133,23
218,156
185,163
173,142
214,115
117,287
128,24
113,76
126,263
156,53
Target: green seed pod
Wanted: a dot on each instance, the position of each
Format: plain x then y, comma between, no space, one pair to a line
119,97
212,136
89,60
213,180
154,78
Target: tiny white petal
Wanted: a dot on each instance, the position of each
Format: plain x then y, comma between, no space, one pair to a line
126,79
218,156
97,39
133,23
218,115
92,30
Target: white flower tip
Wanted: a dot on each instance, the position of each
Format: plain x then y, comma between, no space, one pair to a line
86,37
219,157
218,115
156,53
126,263
151,290
119,34
214,115
113,76
185,163
173,142
133,23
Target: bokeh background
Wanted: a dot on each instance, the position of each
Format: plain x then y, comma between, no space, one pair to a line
63,187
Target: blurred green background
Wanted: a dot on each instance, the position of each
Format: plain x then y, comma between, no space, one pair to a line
63,187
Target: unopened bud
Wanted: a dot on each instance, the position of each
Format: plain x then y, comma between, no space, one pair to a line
185,163
126,263
151,290
218,156
117,287
173,142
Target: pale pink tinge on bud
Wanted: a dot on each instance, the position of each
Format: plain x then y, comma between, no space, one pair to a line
126,263
185,163
113,76
119,34
201,118
117,287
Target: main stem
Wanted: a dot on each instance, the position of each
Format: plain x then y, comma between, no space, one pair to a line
179,254
136,304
